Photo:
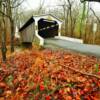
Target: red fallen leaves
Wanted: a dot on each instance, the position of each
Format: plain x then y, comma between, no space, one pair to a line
38,75
3,65
98,73
1,78
3,85
48,98
42,88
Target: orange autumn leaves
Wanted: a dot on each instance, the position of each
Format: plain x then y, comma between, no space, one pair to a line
39,75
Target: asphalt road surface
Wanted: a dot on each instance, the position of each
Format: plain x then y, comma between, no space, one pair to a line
82,48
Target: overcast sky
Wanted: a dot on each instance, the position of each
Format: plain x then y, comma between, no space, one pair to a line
33,4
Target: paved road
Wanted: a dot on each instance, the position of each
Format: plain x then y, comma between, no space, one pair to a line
82,48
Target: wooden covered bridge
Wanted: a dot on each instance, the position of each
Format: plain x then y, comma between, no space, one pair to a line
40,27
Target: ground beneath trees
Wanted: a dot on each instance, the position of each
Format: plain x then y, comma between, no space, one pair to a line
50,75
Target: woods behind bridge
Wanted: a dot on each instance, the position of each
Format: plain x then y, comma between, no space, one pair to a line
80,19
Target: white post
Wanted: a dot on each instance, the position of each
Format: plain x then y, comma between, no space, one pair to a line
59,34
94,31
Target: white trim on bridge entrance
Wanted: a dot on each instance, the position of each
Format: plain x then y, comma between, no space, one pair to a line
46,16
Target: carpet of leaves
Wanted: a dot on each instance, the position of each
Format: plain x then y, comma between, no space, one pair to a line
50,75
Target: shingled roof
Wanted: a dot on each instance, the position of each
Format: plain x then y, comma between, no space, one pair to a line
30,21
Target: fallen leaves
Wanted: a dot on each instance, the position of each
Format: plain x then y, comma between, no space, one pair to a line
47,75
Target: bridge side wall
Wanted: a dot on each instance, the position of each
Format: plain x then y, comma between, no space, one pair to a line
28,33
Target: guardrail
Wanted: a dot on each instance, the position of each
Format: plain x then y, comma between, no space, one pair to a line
69,39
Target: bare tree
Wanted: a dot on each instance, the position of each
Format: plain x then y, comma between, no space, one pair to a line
70,3
7,13
86,24
82,19
75,17
65,16
13,4
3,34
69,16
73,14
10,6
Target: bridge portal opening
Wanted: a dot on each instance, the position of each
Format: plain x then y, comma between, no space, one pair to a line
48,28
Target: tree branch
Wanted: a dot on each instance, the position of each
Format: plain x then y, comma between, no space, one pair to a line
17,4
95,15
4,14
41,5
84,73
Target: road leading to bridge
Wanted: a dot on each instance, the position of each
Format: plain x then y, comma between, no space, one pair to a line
82,48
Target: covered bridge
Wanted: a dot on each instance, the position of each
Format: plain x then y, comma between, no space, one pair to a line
41,26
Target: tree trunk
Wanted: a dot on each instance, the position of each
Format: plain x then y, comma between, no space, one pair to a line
9,12
86,25
4,49
66,22
12,36
71,21
82,20
3,45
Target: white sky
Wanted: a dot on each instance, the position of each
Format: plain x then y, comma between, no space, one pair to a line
95,6
33,4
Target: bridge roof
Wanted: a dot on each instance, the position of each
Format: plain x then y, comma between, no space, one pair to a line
37,17
30,21
47,15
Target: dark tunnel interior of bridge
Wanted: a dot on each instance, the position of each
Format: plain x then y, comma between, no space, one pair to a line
47,28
